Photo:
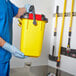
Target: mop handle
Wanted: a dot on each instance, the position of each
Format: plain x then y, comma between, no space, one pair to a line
61,36
70,26
55,29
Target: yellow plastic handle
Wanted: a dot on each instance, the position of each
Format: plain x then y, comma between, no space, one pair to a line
20,22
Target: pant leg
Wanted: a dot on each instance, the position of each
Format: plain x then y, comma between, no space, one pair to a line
4,69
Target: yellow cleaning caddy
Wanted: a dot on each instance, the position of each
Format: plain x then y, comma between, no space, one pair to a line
32,34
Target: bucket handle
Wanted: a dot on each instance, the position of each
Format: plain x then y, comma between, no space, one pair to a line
32,9
20,22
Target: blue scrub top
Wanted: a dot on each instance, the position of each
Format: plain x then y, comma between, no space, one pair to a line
7,12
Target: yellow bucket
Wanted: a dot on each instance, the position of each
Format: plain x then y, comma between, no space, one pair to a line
32,35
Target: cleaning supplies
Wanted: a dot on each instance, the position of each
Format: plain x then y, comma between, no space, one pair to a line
68,51
61,36
53,57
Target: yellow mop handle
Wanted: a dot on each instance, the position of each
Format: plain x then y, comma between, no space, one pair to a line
71,14
56,23
55,30
62,30
70,26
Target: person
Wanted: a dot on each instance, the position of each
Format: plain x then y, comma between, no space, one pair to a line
7,11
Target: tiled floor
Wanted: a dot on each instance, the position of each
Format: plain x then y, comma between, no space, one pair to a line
35,71
19,72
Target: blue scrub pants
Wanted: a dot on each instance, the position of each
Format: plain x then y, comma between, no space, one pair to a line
4,69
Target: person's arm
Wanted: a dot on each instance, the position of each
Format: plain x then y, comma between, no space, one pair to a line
2,42
12,49
21,11
18,12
